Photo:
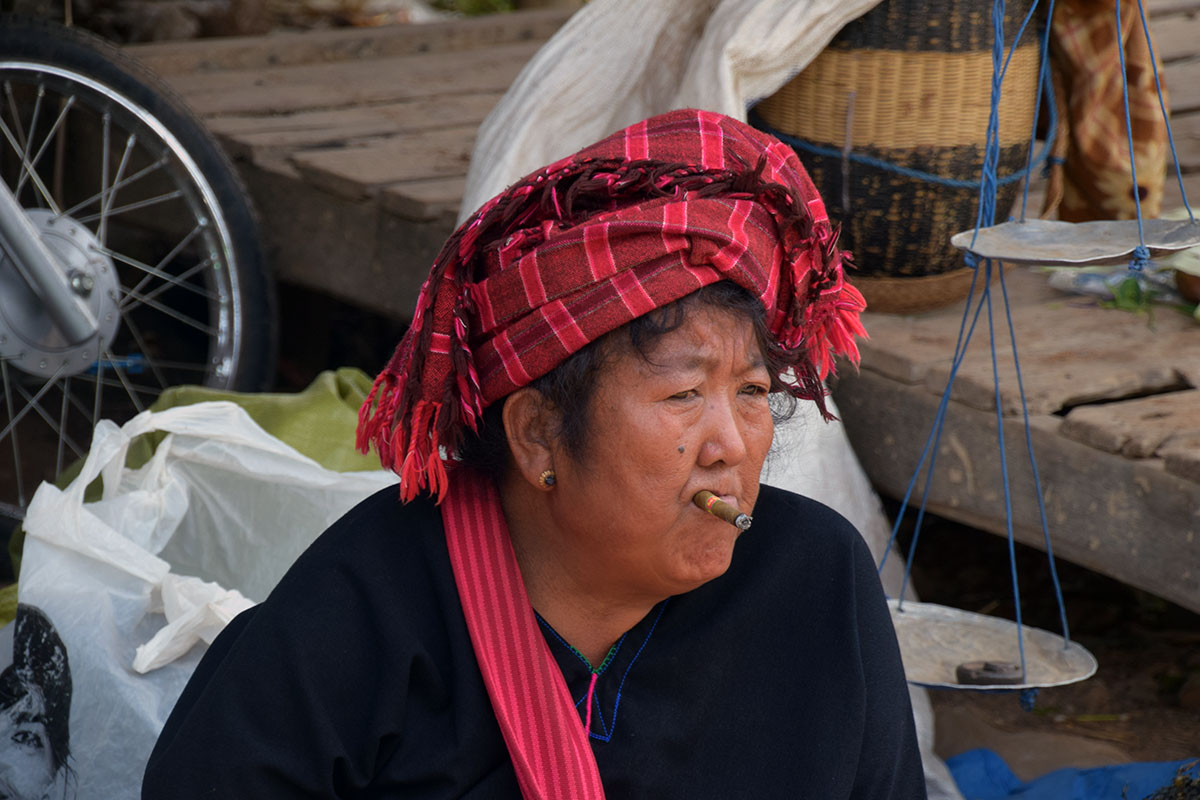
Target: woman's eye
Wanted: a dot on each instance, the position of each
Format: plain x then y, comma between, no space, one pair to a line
686,394
755,389
28,739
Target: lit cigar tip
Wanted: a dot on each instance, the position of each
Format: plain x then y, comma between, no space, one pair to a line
710,502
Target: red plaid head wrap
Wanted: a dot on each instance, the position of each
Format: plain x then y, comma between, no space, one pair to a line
583,246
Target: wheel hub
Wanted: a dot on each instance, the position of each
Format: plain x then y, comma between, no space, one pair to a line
28,339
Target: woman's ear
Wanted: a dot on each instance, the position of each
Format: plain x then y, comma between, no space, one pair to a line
530,424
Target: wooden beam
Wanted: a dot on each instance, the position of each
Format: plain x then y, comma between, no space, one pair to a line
1128,519
1139,428
355,251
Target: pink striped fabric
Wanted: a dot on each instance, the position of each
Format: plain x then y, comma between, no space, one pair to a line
548,745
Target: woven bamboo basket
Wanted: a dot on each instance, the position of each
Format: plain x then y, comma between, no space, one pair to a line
910,85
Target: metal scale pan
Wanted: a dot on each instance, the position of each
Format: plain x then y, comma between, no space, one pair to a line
1076,244
935,641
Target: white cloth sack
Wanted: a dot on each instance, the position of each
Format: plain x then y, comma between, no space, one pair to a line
616,62
171,552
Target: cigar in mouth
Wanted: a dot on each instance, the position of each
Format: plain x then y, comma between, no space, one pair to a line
707,501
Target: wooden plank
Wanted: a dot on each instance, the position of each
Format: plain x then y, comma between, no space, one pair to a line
1172,198
1131,520
905,346
358,172
355,127
353,44
350,250
1071,350
1176,36
277,136
1136,428
1161,8
424,200
445,111
341,85
1185,128
1183,87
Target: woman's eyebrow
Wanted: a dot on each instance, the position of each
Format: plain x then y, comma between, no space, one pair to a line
698,360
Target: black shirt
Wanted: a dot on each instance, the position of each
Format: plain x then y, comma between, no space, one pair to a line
356,678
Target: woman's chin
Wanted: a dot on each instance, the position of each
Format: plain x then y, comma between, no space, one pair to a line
710,562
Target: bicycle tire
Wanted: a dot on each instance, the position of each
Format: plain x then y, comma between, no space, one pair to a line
102,86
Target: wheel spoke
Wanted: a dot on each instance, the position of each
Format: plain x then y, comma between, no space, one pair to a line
62,426
79,405
111,196
177,280
194,366
157,271
29,166
162,262
15,447
170,312
137,402
33,121
13,420
16,116
99,387
141,343
100,196
150,201
106,122
34,117
113,383
41,412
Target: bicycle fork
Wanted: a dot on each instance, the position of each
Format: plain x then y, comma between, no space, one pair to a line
61,294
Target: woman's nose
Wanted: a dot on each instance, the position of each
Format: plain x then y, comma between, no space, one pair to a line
725,439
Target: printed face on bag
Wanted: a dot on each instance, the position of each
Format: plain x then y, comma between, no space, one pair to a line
26,766
35,710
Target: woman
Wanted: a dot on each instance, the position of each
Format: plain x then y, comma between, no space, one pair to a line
35,709
548,613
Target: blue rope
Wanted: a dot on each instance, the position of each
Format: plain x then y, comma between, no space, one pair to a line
831,152
1162,105
935,434
1046,86
1141,256
1012,549
1037,482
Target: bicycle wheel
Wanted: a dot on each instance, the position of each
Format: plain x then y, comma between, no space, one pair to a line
157,235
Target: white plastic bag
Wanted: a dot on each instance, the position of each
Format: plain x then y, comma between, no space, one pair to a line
155,569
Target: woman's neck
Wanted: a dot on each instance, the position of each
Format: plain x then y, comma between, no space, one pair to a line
588,618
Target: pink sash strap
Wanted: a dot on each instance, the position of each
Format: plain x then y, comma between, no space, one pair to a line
541,727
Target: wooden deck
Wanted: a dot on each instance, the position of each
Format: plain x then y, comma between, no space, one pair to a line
355,145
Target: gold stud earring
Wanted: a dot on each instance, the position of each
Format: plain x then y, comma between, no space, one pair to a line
547,479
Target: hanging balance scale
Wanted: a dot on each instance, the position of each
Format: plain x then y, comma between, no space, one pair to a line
945,647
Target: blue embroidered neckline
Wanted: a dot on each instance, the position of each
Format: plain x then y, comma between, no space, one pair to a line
606,727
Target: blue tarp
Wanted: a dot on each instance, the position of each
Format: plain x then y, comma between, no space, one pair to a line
983,775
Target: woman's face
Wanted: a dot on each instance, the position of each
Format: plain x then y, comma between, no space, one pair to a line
26,769
693,416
